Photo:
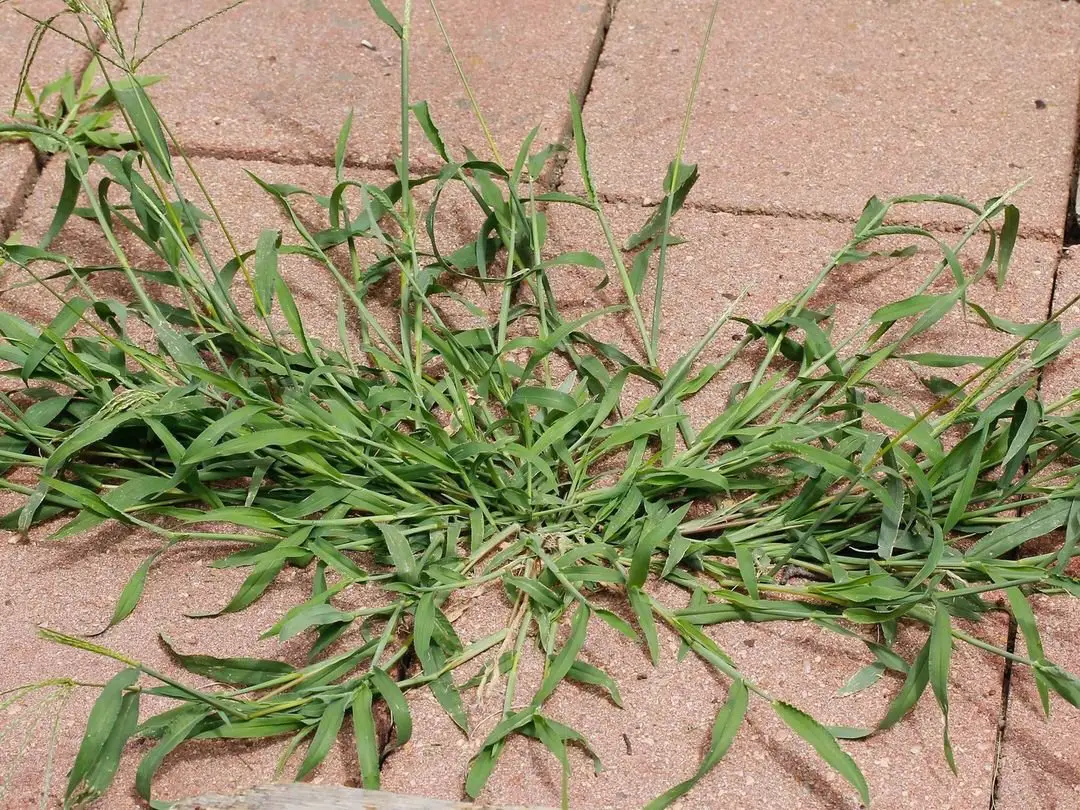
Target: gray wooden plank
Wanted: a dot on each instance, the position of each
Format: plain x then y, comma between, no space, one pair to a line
320,797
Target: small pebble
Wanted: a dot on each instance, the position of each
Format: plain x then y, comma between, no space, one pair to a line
368,45
1040,104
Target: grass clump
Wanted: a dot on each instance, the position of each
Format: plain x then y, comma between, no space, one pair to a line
427,459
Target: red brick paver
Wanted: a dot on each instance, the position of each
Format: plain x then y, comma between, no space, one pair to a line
657,740
1040,758
811,108
1063,376
55,55
276,80
805,110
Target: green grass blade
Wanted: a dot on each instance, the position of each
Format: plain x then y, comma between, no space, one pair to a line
826,746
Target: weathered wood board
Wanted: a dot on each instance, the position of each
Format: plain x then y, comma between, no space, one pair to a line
320,797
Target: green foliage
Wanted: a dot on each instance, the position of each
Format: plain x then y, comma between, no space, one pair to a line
427,459
82,112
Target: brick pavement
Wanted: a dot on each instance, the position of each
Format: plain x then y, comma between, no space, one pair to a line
804,112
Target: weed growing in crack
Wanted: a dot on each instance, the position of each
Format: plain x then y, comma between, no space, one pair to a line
429,460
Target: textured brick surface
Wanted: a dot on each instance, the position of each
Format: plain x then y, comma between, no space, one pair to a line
659,736
804,110
669,711
54,55
1040,759
295,69
773,258
812,108
1063,376
17,171
245,208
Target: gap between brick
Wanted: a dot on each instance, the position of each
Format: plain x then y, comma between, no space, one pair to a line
40,162
1071,236
1003,716
592,60
1072,216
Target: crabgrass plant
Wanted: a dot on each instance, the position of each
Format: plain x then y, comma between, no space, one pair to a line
426,460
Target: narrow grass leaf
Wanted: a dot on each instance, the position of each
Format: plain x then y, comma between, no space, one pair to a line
316,615
1011,535
892,512
1072,536
1009,229
69,194
1064,683
971,452
642,608
367,743
747,570
397,544
908,307
132,592
147,126
183,725
99,725
861,680
826,746
325,735
384,14
1025,620
266,270
104,769
563,662
914,685
396,702
586,673
253,442
938,663
423,117
232,671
